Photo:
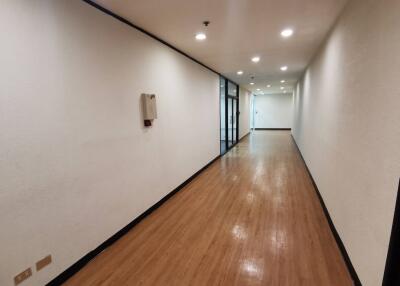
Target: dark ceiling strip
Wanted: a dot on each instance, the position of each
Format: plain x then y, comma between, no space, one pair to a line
127,22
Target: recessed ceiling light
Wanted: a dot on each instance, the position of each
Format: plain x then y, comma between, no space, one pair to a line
282,87
258,89
201,36
268,85
252,83
283,81
255,59
239,72
283,68
286,33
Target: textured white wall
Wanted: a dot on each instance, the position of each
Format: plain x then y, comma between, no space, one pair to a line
244,108
273,111
76,165
347,125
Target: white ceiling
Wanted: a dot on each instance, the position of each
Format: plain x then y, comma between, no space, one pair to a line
239,30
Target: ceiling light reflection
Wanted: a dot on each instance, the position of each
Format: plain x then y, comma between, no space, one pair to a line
239,233
252,268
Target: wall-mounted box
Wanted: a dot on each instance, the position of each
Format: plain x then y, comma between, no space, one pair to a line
149,108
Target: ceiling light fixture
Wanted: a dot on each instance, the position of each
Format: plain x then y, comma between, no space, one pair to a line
282,87
283,68
252,83
201,36
255,59
283,81
268,85
258,89
240,72
286,33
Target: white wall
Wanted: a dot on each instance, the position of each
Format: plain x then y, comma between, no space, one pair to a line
347,125
244,108
273,111
76,165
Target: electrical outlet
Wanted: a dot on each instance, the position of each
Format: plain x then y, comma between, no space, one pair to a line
23,276
42,263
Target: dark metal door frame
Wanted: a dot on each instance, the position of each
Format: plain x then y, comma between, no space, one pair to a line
235,100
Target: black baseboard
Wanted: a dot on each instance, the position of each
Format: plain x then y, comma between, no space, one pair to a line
272,128
339,241
64,276
392,273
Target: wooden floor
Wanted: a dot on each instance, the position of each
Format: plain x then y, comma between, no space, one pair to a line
251,218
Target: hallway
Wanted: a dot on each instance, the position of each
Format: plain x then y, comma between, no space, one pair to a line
251,218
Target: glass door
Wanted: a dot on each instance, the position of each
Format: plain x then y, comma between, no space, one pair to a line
233,106
229,110
235,121
230,122
223,138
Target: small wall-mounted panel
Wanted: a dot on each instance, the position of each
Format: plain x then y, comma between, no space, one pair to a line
149,106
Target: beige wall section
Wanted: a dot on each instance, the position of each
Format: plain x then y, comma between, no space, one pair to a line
347,126
244,108
76,165
273,110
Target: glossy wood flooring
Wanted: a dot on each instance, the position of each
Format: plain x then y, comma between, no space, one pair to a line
251,218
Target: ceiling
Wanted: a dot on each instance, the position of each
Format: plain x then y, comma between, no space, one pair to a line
238,31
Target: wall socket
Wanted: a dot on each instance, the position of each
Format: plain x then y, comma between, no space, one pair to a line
23,276
42,263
